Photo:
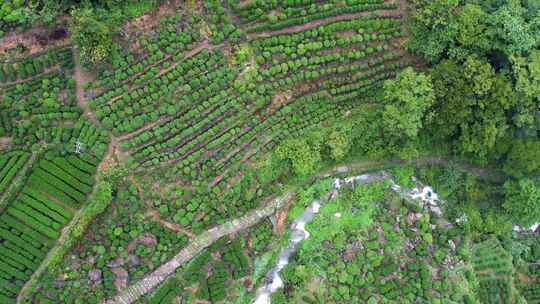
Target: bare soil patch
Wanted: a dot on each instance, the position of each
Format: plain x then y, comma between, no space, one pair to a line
5,142
36,40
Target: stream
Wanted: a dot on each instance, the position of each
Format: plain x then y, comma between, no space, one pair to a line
273,281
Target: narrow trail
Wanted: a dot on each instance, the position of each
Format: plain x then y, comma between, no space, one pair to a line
24,172
481,173
81,78
171,226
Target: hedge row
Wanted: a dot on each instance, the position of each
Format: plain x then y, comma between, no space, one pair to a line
33,220
44,209
61,173
73,170
29,193
23,247
25,232
34,66
166,292
97,203
10,164
84,163
37,182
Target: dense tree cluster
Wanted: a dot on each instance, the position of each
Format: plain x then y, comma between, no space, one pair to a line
485,66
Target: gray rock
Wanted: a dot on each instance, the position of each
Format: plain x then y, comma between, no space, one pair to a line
121,278
119,261
148,239
342,169
91,260
133,260
94,275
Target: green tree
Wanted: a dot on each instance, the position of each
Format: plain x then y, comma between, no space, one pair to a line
301,154
527,73
523,158
522,199
472,26
91,37
406,100
510,32
432,29
472,105
338,140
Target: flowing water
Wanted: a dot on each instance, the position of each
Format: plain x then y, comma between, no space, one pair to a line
273,281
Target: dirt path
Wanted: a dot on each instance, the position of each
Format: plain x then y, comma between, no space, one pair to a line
5,142
34,40
362,165
318,22
80,78
171,226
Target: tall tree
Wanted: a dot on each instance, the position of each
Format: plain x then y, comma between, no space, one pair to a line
523,158
521,201
301,154
471,106
510,31
406,100
432,29
527,74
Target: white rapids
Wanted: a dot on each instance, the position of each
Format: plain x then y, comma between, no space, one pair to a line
298,234
273,281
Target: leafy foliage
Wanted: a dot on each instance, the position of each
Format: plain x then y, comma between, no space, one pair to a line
407,98
521,200
92,37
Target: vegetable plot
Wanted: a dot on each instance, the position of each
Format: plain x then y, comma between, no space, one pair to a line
33,220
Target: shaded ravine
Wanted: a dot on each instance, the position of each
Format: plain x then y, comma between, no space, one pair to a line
491,175
273,281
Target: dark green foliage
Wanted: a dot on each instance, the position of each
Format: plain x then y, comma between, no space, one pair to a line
521,200
523,158
407,99
165,293
235,258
